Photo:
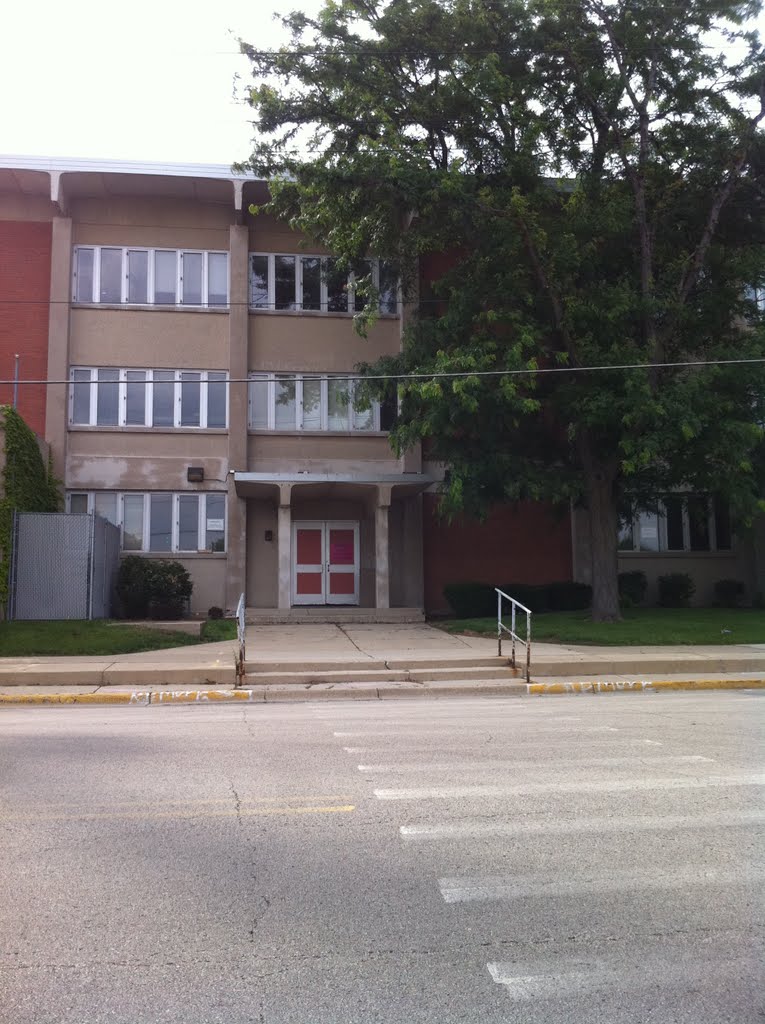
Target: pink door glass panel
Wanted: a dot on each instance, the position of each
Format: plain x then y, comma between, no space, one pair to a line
342,550
309,547
309,582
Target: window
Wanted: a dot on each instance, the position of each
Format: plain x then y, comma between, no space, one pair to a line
680,522
311,402
161,277
159,521
111,397
280,281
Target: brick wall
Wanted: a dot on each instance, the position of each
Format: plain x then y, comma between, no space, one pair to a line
25,254
522,542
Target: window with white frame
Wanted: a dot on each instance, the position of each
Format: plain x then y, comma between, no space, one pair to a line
159,520
112,397
756,293
149,277
282,281
313,402
680,522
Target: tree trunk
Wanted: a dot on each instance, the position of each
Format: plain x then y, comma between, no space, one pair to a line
599,481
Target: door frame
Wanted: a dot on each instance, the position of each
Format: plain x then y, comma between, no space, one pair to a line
326,569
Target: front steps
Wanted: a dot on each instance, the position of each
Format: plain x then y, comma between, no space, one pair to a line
379,671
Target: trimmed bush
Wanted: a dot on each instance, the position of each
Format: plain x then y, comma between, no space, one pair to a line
133,588
729,593
471,600
152,589
676,590
215,612
566,596
632,588
170,590
479,600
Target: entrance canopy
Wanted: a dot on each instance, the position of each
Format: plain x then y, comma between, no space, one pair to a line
260,485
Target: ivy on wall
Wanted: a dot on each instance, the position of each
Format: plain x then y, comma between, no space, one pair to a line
28,484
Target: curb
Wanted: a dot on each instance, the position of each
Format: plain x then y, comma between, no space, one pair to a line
328,691
642,686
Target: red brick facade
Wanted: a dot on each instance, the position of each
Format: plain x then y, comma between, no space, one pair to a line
25,256
522,542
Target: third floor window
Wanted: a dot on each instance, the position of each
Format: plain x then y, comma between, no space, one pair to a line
316,284
154,277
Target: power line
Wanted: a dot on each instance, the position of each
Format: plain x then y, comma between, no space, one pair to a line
435,375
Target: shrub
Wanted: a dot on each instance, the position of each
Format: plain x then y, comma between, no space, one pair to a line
632,588
566,596
471,600
676,590
534,596
170,590
152,589
133,587
215,612
729,593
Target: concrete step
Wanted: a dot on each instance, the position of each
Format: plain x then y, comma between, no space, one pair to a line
328,614
461,664
338,676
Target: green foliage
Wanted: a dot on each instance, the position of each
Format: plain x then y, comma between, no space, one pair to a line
215,612
595,174
152,588
28,484
676,590
217,630
729,593
632,588
639,625
472,600
70,637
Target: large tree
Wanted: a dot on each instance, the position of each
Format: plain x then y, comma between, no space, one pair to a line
593,174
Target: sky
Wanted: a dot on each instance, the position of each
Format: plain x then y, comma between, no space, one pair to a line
145,80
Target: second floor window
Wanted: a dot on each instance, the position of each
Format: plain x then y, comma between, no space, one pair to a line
153,277
312,402
112,397
316,284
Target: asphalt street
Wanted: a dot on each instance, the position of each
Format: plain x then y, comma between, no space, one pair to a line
588,860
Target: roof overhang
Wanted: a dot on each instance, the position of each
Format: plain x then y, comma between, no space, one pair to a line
267,485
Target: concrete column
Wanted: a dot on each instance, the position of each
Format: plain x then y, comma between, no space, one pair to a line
382,548
236,565
284,541
56,401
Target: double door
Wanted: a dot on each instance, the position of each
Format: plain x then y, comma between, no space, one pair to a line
325,563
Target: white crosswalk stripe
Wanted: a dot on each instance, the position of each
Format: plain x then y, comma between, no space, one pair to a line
547,765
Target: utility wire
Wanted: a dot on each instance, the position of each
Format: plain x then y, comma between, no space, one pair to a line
435,375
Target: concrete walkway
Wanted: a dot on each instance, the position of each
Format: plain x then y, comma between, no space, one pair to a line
393,659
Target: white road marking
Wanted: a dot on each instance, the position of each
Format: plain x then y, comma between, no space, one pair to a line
584,786
726,819
552,764
463,728
654,743
564,985
518,887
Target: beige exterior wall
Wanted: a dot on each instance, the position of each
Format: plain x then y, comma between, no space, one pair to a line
267,234
173,224
344,453
208,572
145,460
316,342
174,339
24,208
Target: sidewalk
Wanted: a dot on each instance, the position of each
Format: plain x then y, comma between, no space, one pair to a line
371,661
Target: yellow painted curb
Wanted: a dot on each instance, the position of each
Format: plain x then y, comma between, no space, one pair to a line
135,698
643,685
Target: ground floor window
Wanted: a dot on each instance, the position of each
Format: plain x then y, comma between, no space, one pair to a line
679,522
159,520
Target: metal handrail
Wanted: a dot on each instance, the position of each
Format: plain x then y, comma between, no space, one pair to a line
240,631
511,629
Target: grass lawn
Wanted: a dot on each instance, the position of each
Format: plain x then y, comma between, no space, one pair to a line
28,639
640,626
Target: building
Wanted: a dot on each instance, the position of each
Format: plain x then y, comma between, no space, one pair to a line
193,365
